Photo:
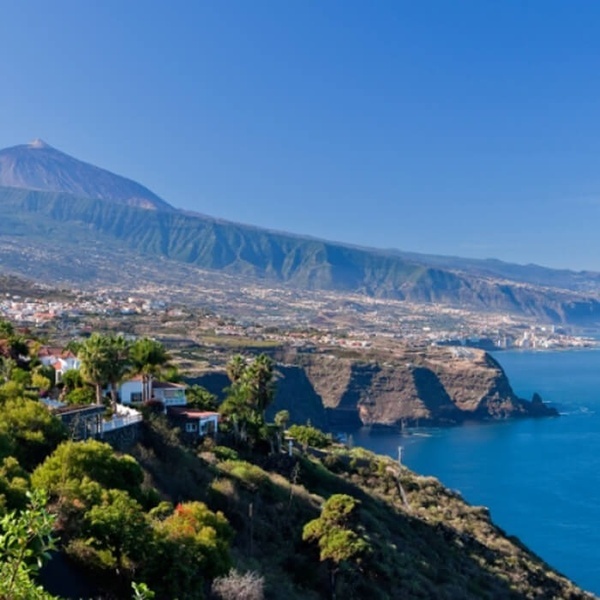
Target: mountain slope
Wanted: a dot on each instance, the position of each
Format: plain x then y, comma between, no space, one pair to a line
52,200
38,166
286,259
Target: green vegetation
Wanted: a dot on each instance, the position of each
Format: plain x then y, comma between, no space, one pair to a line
237,518
25,542
251,392
339,543
310,436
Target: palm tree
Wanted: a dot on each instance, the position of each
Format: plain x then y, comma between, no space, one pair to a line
259,384
117,364
235,368
147,357
95,362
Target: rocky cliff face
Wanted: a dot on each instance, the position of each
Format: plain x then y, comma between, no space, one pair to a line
426,386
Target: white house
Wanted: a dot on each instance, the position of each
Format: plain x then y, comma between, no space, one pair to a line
170,394
61,360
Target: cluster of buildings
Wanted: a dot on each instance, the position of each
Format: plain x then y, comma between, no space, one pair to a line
37,311
89,421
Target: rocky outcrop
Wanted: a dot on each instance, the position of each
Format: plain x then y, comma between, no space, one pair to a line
341,391
426,386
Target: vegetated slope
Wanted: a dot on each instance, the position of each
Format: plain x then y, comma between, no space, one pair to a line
428,385
38,166
583,281
433,545
275,257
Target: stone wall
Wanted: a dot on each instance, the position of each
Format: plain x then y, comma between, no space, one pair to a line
125,438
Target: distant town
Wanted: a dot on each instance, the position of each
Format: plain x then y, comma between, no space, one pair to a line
264,315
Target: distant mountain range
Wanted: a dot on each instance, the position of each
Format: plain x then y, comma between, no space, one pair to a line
50,200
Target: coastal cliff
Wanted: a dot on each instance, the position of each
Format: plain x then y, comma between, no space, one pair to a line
425,386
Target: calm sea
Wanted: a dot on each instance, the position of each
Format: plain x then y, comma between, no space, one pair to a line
539,477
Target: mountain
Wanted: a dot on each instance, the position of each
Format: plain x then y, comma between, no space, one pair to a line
64,213
39,166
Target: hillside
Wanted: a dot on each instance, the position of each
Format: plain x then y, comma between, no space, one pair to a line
73,221
36,219
149,501
424,541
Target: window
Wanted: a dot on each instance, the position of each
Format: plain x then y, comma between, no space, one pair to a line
190,427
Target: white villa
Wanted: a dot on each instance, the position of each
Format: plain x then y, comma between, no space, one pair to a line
61,360
170,394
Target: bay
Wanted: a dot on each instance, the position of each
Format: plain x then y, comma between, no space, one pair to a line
540,478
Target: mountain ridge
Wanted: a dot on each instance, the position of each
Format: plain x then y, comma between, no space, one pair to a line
249,251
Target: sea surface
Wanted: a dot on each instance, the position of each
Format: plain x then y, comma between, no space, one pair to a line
540,478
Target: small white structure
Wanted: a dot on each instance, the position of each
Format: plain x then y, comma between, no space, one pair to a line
61,360
195,422
124,417
131,390
170,394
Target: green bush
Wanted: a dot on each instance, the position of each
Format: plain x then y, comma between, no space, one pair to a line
246,472
225,453
311,436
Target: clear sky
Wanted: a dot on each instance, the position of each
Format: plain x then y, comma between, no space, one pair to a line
463,127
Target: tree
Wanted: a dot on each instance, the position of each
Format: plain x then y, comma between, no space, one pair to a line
34,431
310,436
118,525
335,532
14,485
235,368
257,381
72,461
190,543
117,364
282,418
25,542
251,391
200,398
72,379
147,358
95,362
6,329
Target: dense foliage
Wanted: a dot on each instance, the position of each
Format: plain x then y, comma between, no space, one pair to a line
241,519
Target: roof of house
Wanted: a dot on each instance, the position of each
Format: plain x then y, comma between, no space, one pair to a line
168,384
191,413
55,352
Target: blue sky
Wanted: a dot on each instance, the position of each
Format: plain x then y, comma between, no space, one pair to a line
468,128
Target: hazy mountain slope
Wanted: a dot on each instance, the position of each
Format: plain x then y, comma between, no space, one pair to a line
89,216
38,166
292,260
585,281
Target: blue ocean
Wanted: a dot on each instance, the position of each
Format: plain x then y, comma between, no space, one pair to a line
540,478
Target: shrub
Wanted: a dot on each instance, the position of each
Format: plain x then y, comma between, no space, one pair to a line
239,586
311,436
92,459
225,453
246,472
